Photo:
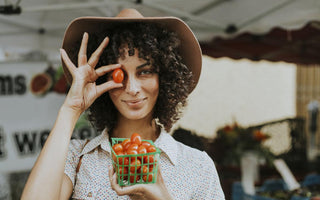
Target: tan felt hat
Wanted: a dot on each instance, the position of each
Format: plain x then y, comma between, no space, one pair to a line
189,48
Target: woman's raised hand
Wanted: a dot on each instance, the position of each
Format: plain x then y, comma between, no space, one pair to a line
84,90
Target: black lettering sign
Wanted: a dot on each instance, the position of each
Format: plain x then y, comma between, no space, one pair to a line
6,85
12,85
20,85
43,137
31,142
26,142
2,150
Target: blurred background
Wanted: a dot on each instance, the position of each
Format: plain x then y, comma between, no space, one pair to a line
259,90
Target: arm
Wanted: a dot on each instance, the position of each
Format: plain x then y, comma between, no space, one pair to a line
47,177
47,174
209,186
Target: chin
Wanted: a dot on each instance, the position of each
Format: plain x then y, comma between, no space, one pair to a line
136,115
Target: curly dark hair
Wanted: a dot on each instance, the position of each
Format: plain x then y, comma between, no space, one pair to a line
158,46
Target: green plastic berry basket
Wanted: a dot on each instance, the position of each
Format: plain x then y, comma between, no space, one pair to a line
130,171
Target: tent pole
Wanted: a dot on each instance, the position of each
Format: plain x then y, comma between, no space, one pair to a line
268,12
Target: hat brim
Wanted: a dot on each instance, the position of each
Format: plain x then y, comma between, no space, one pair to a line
189,49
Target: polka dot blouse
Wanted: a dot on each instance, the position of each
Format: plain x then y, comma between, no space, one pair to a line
188,173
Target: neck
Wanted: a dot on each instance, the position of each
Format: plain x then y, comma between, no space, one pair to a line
147,129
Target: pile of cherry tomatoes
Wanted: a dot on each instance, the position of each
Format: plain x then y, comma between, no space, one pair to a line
135,160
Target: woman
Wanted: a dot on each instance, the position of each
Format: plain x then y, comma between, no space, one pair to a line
161,60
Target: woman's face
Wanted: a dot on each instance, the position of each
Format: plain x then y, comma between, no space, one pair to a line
136,99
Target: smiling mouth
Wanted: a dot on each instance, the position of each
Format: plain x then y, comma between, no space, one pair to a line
135,101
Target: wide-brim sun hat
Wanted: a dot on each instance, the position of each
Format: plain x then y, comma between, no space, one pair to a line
189,49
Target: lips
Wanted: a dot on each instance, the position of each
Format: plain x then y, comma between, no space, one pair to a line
134,102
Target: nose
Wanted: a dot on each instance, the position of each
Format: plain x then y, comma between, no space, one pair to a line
132,86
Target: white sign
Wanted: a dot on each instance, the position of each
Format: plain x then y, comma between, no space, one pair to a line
31,94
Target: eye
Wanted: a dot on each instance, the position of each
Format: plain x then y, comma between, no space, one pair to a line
146,72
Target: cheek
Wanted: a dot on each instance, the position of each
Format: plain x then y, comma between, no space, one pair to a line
153,87
114,94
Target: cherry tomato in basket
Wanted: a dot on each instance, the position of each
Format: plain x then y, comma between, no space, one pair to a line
148,159
126,161
134,178
114,158
135,165
117,148
142,149
123,171
151,167
133,146
147,178
124,143
136,138
151,149
118,75
126,146
132,152
144,169
120,159
145,143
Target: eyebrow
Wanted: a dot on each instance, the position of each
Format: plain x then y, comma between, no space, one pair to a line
143,65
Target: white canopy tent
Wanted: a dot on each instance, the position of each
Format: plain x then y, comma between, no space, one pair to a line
40,24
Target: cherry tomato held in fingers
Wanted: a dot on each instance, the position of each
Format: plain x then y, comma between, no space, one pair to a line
118,75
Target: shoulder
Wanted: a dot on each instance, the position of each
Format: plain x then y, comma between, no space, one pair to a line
195,155
181,153
187,151
204,174
76,145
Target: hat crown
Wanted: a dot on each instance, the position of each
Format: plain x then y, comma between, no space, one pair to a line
129,13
